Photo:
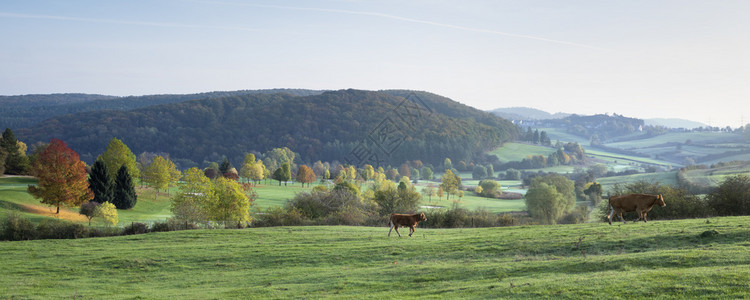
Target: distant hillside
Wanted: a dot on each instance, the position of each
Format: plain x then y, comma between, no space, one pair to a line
28,110
674,123
327,126
526,113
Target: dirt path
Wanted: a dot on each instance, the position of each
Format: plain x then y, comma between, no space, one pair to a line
49,211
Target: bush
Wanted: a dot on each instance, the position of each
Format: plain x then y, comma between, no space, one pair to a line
458,217
579,215
135,228
732,197
17,228
54,229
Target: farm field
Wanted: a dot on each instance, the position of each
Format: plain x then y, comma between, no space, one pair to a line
714,176
666,178
700,258
518,151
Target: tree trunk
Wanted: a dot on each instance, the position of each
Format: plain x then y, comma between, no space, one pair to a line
58,209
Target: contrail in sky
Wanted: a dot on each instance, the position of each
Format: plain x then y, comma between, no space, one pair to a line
109,21
404,19
328,10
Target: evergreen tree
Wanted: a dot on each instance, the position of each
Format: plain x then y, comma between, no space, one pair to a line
15,162
225,167
100,183
125,196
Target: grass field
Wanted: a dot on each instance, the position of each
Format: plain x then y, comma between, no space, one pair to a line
660,259
518,151
713,177
666,178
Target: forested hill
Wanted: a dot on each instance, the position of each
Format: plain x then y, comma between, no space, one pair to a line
328,127
28,110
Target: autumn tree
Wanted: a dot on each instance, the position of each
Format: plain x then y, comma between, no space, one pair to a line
258,172
305,175
319,168
231,204
404,170
108,211
368,172
124,190
247,166
160,174
429,191
100,183
62,177
190,204
118,154
201,199
396,199
450,183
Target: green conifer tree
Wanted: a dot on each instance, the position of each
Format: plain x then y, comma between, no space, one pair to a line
100,183
125,196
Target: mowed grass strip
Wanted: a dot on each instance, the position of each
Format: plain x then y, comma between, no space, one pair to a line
637,260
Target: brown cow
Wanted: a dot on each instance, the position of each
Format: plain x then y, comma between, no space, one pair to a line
640,203
405,220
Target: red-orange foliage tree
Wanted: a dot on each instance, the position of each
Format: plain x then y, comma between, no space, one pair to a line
305,175
62,177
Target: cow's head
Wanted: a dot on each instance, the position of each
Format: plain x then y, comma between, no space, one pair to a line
660,201
422,217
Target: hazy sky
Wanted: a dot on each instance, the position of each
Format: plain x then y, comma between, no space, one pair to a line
645,59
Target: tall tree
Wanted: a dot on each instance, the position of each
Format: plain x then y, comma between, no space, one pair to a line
284,173
450,183
231,204
125,196
190,204
368,172
161,173
447,164
258,171
15,161
305,175
427,173
118,154
544,203
404,170
101,184
62,177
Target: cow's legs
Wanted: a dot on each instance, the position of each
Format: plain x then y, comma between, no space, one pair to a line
392,226
619,213
611,214
644,216
396,227
411,230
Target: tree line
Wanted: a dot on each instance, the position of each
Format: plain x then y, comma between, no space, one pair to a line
326,127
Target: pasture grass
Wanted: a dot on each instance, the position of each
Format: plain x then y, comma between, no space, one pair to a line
659,259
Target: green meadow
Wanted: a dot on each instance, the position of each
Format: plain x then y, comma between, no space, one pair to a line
700,258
